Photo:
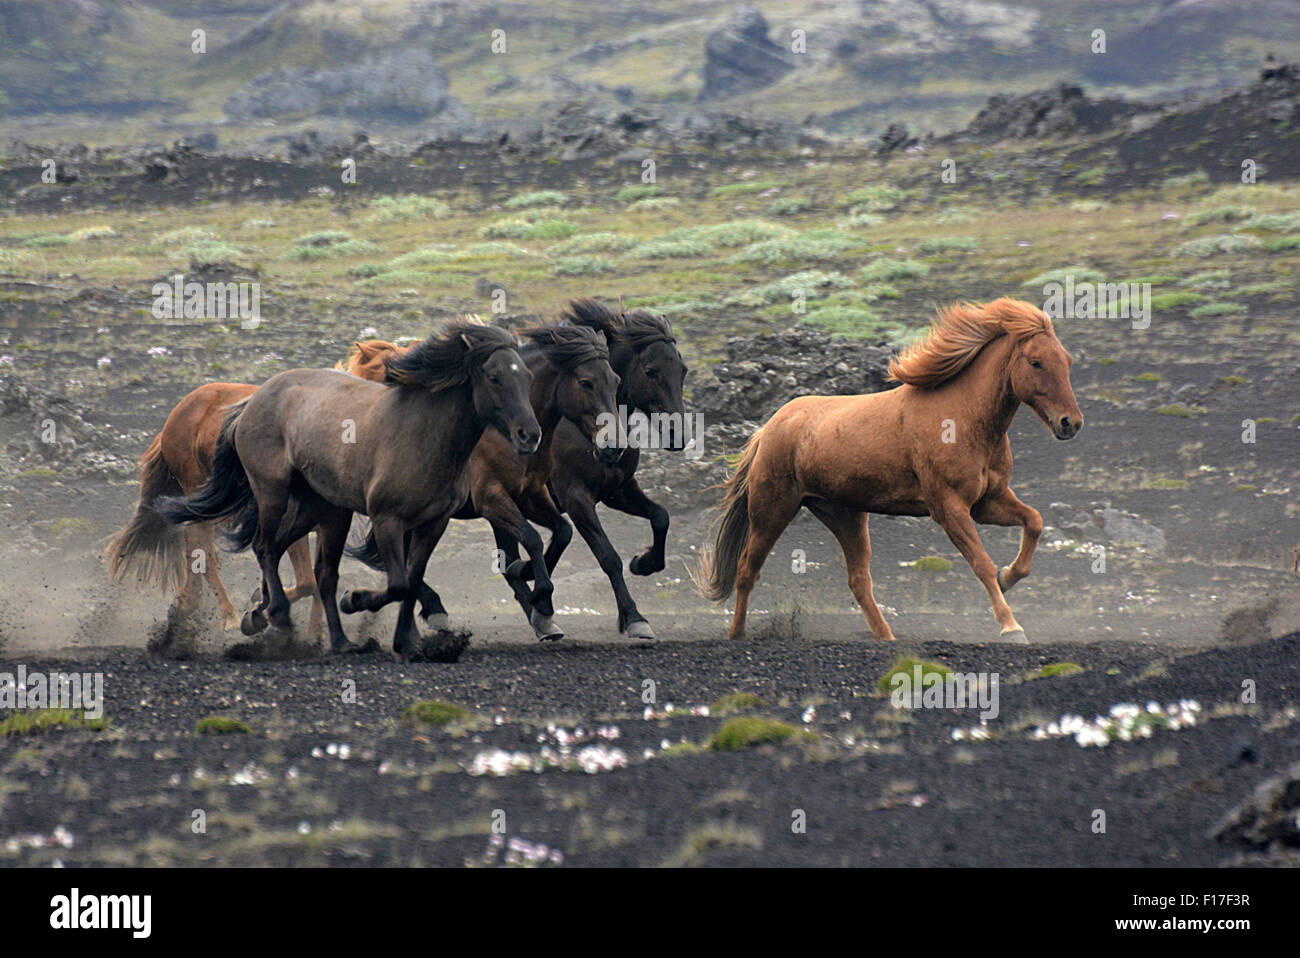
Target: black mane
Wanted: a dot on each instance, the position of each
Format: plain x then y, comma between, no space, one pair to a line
446,359
637,328
567,346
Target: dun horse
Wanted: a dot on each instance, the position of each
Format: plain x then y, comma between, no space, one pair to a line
178,462
572,383
311,447
936,446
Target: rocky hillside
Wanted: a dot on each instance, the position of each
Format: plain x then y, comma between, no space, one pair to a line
152,70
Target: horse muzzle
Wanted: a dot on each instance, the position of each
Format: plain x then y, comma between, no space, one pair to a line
1066,427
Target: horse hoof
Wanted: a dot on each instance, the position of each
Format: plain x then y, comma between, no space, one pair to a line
544,626
1003,573
516,569
254,621
437,622
1014,635
641,565
345,603
347,648
230,623
639,630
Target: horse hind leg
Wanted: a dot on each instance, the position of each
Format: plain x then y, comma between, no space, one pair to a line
770,511
850,530
212,572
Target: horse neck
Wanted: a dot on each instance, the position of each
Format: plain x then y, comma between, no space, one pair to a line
542,396
985,389
455,407
621,358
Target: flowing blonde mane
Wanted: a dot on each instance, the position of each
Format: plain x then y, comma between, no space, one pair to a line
959,333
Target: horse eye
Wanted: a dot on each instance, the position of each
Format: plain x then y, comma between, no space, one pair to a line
652,373
1036,364
586,384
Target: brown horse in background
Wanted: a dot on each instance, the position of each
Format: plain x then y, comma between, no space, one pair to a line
935,446
178,462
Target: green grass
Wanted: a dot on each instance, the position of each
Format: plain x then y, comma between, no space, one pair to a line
906,666
585,266
1163,483
631,194
1059,669
933,564
887,270
1174,299
433,712
1204,246
411,206
744,189
736,702
536,198
31,721
877,199
742,733
222,725
946,244
1147,378
1212,310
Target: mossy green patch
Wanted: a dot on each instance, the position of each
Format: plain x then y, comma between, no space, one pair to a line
222,725
434,712
907,666
742,733
736,702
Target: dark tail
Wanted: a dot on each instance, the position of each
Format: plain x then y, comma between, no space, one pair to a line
149,547
225,494
365,551
716,575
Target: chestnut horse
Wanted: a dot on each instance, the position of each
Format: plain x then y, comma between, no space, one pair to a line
178,462
311,447
937,446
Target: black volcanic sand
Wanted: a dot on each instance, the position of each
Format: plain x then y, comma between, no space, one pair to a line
878,786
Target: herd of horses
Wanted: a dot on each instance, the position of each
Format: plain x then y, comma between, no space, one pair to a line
477,422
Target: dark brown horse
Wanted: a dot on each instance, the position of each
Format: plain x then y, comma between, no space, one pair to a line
643,352
311,447
935,446
572,383
178,462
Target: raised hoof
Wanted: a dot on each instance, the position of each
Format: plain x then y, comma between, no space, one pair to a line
254,621
345,603
517,570
255,597
639,630
437,622
1014,635
640,565
1002,577
544,626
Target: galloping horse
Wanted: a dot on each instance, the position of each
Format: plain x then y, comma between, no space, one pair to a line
178,462
643,351
313,446
936,446
573,383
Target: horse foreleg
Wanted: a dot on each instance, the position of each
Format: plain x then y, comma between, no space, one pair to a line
850,530
406,638
331,537
955,518
631,499
583,511
1006,509
509,526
